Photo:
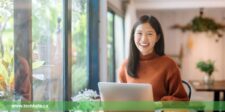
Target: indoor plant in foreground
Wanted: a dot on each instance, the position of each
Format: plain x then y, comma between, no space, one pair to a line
87,101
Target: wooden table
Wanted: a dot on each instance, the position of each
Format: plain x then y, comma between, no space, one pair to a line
217,87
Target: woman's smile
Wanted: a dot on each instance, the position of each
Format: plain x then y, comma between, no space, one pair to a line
144,44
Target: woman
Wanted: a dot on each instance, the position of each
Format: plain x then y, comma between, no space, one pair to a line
147,62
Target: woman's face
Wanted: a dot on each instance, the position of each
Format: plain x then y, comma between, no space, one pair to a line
145,38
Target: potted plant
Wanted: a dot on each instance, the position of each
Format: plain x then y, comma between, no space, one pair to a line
202,24
87,101
207,67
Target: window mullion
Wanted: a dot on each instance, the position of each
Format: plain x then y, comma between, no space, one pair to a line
67,49
93,46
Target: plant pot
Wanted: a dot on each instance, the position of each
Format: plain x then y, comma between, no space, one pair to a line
208,80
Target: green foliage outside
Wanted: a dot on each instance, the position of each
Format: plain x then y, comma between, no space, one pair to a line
79,45
45,15
6,48
110,46
45,25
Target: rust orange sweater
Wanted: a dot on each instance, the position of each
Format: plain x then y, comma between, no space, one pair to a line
160,71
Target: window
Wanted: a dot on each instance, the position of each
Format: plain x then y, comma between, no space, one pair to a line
47,49
115,44
32,48
119,42
79,46
110,47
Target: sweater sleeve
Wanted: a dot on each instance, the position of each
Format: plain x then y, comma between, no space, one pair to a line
175,89
122,73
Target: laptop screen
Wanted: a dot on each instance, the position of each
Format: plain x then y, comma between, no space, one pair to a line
110,91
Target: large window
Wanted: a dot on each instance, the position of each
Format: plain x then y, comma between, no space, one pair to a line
115,44
34,38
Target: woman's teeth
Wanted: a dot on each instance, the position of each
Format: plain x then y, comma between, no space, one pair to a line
143,44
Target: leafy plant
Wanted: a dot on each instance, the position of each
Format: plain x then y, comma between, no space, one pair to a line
206,66
6,48
86,100
6,61
202,24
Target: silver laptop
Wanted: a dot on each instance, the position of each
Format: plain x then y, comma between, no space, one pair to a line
110,91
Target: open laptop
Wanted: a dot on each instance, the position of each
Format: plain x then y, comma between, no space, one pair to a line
110,91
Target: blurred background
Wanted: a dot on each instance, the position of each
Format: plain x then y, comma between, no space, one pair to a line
186,46
73,44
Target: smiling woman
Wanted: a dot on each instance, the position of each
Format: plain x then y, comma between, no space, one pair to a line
145,38
147,62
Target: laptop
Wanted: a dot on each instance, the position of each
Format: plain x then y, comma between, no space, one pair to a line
111,91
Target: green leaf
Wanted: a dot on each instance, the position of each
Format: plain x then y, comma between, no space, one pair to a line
37,64
7,57
3,71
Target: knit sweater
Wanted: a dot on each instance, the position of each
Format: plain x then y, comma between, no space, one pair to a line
159,71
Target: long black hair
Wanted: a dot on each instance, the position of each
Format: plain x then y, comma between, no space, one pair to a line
134,53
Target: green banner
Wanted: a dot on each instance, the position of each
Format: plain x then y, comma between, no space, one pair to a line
112,106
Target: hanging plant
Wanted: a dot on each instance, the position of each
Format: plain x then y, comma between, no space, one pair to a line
202,24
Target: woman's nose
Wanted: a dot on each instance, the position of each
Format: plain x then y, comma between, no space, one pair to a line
143,38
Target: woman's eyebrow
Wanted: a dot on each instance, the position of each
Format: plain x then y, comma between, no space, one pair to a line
149,30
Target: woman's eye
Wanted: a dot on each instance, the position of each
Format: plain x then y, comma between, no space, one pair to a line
139,33
149,34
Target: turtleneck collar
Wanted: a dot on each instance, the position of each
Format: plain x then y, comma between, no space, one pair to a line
148,56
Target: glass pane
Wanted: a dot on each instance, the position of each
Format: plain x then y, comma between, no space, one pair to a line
47,52
119,42
6,50
79,45
110,57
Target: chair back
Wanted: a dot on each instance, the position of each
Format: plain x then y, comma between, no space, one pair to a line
188,87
